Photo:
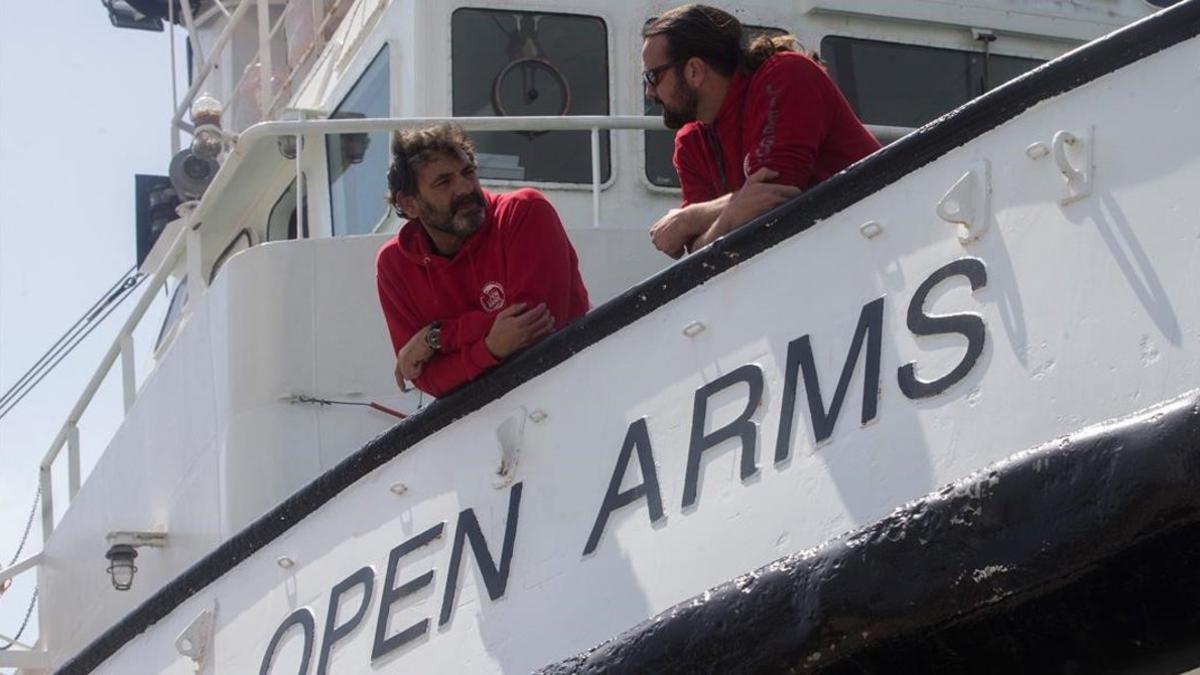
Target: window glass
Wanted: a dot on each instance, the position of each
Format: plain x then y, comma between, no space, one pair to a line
508,63
908,85
660,145
358,162
179,300
281,223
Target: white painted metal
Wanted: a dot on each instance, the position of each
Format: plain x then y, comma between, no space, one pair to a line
15,569
73,473
1088,317
214,441
110,357
968,203
265,72
128,371
1079,178
200,77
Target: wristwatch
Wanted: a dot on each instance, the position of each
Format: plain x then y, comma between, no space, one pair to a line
433,336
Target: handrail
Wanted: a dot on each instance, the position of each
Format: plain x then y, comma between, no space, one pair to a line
70,428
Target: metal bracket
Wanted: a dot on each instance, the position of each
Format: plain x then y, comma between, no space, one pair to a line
1063,147
510,435
194,640
968,203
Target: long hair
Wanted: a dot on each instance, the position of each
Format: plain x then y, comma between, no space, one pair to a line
715,36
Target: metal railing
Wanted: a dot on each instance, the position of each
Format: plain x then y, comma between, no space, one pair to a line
324,14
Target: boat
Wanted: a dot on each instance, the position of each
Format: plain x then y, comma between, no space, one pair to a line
938,413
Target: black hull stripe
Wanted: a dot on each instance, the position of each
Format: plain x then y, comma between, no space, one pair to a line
861,180
1081,556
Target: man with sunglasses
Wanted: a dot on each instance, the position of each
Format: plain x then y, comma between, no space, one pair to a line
757,125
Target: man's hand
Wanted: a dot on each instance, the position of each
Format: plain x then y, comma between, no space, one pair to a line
412,357
757,196
515,328
673,233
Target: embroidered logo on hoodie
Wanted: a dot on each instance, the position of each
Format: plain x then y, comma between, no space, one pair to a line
492,297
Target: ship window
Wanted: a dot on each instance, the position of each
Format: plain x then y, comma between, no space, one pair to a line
179,300
908,85
281,223
358,162
508,63
660,145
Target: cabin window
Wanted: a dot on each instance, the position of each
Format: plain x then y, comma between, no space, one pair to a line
508,63
282,221
660,145
358,163
179,298
908,85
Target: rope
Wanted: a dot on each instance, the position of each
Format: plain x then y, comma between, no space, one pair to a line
28,526
24,623
96,317
66,337
33,600
300,398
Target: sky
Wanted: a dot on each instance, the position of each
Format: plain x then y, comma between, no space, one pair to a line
83,107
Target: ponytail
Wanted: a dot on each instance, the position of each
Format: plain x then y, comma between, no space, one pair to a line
764,47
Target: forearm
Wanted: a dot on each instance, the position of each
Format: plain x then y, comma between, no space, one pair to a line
444,373
722,225
702,215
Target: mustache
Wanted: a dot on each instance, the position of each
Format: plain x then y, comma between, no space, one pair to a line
473,199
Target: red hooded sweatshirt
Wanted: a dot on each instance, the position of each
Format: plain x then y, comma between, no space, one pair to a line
520,253
787,116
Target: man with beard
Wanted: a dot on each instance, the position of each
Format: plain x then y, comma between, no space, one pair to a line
756,125
472,277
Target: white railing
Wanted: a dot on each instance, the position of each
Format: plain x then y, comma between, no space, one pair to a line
325,13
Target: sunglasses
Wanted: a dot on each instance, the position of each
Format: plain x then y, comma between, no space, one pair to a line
651,77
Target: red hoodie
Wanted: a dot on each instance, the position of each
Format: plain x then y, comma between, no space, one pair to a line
520,253
787,116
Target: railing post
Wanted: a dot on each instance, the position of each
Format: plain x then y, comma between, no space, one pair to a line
595,176
73,478
265,69
47,502
195,269
128,374
319,16
301,222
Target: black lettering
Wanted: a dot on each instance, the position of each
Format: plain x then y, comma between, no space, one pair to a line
364,577
637,438
742,427
800,357
967,324
495,578
383,644
302,617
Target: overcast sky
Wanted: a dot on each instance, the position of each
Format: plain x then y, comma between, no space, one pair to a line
83,107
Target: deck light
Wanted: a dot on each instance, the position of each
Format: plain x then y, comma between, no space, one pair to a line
122,552
207,139
121,566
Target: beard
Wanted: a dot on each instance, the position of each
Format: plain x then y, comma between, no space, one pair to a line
461,218
675,118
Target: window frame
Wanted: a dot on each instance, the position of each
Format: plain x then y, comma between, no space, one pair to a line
388,61
613,153
953,45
